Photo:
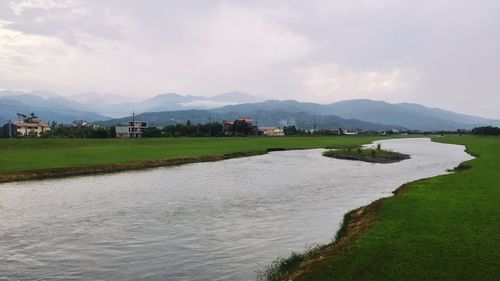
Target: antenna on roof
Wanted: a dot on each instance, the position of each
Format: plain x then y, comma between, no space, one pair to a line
21,116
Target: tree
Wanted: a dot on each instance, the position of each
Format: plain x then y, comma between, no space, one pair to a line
98,133
486,130
151,132
112,132
290,130
241,127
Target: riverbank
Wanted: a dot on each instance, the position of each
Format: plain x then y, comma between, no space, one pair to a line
117,167
441,228
32,159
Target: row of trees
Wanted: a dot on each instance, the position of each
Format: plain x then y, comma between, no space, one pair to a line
80,132
487,130
199,130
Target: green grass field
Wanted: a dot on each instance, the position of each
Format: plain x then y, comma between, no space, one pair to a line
443,228
32,154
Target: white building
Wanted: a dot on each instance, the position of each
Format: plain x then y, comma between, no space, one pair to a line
351,132
271,131
31,127
132,129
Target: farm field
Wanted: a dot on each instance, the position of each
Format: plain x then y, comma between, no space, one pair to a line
19,155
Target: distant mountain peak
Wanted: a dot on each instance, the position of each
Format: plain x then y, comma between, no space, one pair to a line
235,97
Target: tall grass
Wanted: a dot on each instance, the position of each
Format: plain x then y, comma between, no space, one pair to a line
283,267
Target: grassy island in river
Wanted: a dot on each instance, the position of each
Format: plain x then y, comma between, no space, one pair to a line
442,228
371,155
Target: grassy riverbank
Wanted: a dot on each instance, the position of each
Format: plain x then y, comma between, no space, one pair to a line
37,158
442,228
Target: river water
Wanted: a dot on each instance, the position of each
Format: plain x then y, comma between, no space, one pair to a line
205,221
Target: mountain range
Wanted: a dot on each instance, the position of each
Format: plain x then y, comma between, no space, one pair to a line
408,115
94,106
173,108
264,118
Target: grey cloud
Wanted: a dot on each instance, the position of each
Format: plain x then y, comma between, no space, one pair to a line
439,53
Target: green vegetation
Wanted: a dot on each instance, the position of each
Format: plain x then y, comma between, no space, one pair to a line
377,155
441,228
488,130
282,267
28,154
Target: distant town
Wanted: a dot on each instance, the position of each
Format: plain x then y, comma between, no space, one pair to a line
29,125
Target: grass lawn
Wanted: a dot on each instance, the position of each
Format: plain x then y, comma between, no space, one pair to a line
443,228
32,154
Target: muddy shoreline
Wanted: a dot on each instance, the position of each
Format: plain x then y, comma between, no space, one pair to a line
401,157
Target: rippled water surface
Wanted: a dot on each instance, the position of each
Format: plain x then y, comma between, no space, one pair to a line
206,221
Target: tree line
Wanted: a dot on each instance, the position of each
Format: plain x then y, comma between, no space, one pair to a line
212,129
486,130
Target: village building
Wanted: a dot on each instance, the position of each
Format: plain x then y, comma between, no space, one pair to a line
271,131
227,125
131,129
31,127
27,125
9,129
351,132
83,124
79,123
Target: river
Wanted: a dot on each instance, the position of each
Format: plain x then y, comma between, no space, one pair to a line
205,221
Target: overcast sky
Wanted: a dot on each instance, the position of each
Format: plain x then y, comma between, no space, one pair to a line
438,53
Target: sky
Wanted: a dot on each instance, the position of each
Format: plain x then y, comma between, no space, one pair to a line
437,53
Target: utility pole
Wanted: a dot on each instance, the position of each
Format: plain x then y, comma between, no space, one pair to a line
10,128
133,123
209,126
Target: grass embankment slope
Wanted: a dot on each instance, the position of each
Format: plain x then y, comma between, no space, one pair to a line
442,228
28,157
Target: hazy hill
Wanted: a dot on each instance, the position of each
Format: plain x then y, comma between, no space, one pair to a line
52,108
173,101
261,117
412,116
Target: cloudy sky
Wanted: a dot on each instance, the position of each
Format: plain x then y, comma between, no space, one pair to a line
437,53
